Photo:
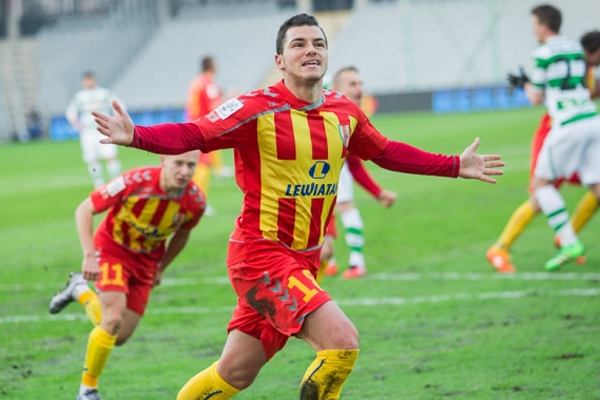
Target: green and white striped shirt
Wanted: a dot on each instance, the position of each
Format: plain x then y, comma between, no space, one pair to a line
560,71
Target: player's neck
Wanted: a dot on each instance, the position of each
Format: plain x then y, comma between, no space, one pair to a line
309,92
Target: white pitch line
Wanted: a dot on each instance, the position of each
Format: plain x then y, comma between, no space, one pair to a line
365,302
446,276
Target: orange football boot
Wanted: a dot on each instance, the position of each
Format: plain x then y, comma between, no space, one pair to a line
500,259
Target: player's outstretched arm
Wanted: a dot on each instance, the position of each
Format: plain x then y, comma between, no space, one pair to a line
117,128
476,166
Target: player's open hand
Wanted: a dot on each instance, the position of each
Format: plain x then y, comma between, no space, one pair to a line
476,166
117,128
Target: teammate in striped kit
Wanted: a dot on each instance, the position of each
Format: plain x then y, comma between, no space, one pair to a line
128,254
499,253
290,141
79,115
573,144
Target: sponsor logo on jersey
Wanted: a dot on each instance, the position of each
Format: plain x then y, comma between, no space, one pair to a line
226,109
113,187
319,170
213,116
344,131
311,189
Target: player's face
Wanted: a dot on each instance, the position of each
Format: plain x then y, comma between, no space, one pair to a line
177,171
350,84
305,55
538,29
593,58
88,82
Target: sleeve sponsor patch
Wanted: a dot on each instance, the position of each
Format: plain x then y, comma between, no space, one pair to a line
115,186
228,108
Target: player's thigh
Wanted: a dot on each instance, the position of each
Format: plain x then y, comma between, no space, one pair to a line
561,153
329,328
345,186
88,143
280,288
106,151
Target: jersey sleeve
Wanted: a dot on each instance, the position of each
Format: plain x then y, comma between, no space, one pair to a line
228,126
540,64
110,194
366,142
71,113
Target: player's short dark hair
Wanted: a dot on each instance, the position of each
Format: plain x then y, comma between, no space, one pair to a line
206,64
591,41
336,77
296,20
88,74
549,16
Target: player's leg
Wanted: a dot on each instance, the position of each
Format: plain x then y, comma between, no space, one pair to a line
77,289
335,339
109,152
90,157
499,254
101,341
584,210
560,156
201,178
241,360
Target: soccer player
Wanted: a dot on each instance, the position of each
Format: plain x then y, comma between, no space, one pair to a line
499,254
290,141
79,114
128,254
348,82
204,95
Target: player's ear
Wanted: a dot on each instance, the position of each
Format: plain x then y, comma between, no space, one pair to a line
279,62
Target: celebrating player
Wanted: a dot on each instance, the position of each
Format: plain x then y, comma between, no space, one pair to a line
499,254
290,141
79,114
128,253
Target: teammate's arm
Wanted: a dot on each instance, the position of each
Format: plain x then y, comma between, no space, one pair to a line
176,244
534,90
72,115
85,228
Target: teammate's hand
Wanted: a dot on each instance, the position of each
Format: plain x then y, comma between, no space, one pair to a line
387,198
118,128
476,166
157,277
518,80
90,269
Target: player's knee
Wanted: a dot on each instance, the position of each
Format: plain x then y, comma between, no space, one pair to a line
111,323
239,378
346,337
122,339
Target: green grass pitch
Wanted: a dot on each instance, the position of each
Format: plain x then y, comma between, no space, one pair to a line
436,321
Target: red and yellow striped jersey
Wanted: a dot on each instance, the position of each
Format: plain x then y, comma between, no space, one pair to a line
142,216
288,158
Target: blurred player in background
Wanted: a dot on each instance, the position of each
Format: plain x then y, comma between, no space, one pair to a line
499,254
204,95
347,81
128,254
290,141
79,114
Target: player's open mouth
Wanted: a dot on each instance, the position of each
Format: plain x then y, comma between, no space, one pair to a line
311,63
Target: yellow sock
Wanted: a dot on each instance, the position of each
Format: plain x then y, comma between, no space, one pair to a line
100,343
516,225
326,375
321,272
208,384
89,300
583,212
216,160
